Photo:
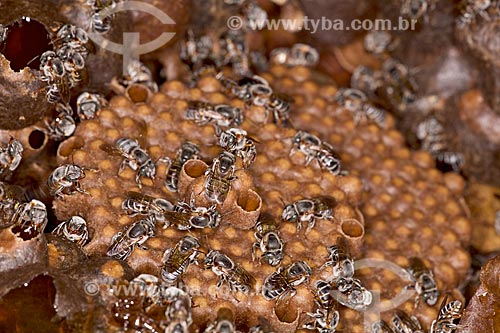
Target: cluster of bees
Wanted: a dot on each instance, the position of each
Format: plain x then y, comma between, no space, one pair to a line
394,88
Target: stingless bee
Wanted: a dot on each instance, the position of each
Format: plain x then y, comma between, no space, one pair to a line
178,312
219,177
400,86
228,271
381,327
186,216
422,281
379,42
221,115
138,203
448,317
29,219
268,241
351,99
138,73
308,210
306,143
404,324
11,155
149,288
74,229
326,318
279,106
340,260
65,179
281,284
352,293
134,156
298,55
63,125
224,323
236,141
123,243
415,9
188,151
10,197
176,260
88,105
366,80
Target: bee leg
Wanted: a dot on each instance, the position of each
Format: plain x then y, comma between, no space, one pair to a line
123,164
142,247
58,193
310,226
138,179
309,158
254,246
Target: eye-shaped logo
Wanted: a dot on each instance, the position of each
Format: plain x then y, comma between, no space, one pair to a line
131,48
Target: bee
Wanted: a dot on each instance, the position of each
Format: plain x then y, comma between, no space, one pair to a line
51,66
11,155
10,197
88,105
123,243
372,113
379,42
340,260
219,115
381,327
228,271
177,260
400,85
329,159
415,9
188,151
100,24
75,230
366,80
137,203
404,324
326,318
186,216
134,156
423,282
450,161
279,105
65,179
298,55
431,135
3,33
63,125
149,288
281,284
195,50
58,91
237,142
448,317
268,240
351,99
29,219
219,177
352,293
74,37
178,312
306,143
224,323
308,210
138,73
242,88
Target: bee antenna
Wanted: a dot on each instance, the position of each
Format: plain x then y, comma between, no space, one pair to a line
29,62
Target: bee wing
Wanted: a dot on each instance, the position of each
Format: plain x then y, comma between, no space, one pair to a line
181,220
139,196
120,245
245,277
142,136
63,85
110,149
